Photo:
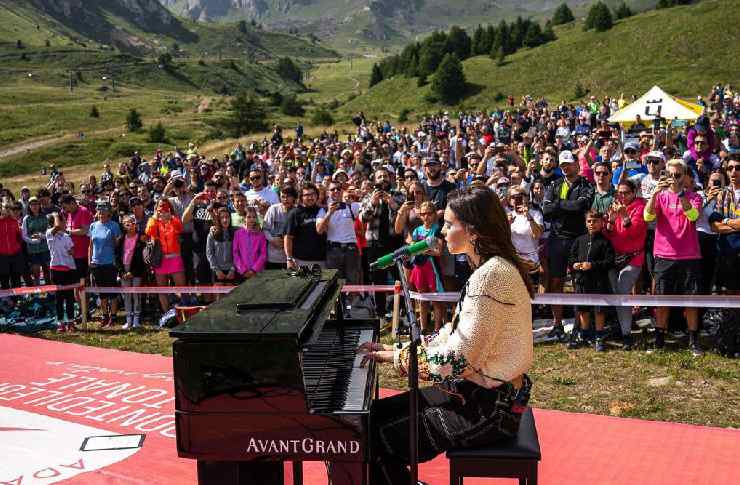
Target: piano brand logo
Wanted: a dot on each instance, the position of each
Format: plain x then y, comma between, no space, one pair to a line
306,446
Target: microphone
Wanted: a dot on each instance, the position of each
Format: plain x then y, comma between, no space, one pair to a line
407,251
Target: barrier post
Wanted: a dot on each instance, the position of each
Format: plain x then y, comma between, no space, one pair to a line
83,304
396,309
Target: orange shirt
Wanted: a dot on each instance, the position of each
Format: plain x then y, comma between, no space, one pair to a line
168,233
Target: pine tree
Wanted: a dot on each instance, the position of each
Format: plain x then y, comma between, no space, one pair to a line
94,113
533,36
503,39
489,38
562,15
599,18
430,55
133,121
622,11
375,76
664,4
549,34
246,115
478,45
458,42
289,70
448,83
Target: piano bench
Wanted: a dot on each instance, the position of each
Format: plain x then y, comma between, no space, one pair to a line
515,458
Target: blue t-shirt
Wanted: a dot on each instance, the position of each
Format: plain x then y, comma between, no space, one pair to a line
635,172
103,238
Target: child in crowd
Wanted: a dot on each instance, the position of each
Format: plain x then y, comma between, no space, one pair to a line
219,249
132,270
62,268
424,276
591,258
250,247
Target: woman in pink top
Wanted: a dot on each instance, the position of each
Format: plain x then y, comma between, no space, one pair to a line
250,247
626,230
586,155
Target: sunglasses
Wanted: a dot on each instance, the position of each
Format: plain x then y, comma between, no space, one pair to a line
732,168
334,189
426,213
601,173
410,177
255,178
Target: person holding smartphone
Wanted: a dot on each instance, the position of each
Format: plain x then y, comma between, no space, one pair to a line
707,237
338,223
678,264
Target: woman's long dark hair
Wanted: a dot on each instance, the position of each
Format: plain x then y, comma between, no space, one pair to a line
480,210
219,232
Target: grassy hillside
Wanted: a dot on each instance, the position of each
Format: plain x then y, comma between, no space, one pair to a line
685,50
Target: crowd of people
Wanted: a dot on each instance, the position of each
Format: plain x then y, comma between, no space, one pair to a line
646,207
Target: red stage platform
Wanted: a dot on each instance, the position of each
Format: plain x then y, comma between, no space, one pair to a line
85,415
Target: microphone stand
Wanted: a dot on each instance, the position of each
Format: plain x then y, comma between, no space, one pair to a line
413,374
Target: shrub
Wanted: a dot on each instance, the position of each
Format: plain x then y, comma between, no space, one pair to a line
94,113
448,83
322,117
599,18
123,149
579,91
157,134
133,121
291,106
276,99
403,116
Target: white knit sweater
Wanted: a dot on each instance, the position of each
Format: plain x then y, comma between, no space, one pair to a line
493,338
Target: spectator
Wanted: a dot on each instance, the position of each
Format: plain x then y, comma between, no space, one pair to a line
104,236
240,210
591,258
274,226
676,248
132,269
626,230
34,229
631,168
526,229
604,190
62,270
11,249
303,244
726,222
200,214
708,239
407,218
425,276
565,205
165,227
78,220
378,212
338,223
219,248
260,193
250,247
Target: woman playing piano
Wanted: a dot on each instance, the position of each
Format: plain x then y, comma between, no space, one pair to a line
477,362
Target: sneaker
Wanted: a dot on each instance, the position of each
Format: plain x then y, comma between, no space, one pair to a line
137,321
599,346
627,343
575,340
696,349
126,326
557,333
62,328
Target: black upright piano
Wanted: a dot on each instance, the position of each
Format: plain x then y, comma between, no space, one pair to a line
269,374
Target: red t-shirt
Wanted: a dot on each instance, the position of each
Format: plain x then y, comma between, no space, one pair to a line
76,220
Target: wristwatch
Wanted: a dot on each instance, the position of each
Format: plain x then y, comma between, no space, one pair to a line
290,259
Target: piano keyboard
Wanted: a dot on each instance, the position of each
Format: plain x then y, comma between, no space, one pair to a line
333,378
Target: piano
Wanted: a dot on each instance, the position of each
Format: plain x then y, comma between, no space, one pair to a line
269,374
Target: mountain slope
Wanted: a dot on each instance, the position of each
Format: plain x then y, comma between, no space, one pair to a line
683,49
373,20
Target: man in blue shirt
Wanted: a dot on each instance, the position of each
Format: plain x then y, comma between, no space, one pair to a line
632,166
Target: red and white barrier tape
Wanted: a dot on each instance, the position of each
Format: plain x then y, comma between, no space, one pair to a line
691,301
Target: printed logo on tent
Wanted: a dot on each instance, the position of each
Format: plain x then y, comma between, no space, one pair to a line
37,449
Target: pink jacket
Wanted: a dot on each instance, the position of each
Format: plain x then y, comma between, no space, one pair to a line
632,238
249,250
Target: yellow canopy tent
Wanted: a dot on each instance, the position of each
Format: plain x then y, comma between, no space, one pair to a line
657,103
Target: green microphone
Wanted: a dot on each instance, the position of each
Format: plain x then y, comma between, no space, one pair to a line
404,252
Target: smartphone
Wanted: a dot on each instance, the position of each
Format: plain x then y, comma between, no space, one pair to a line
716,183
662,174
410,197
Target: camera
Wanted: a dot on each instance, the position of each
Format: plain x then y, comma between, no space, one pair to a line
379,186
716,183
662,174
410,197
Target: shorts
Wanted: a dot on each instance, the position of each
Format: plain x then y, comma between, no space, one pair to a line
677,276
558,251
203,271
12,264
649,258
83,269
104,275
727,272
41,259
170,265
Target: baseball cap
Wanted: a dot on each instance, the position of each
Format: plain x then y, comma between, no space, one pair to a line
565,157
631,145
102,205
656,154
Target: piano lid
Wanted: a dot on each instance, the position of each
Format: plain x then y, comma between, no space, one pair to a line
272,303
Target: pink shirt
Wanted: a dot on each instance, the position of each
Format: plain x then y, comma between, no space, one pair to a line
586,171
630,239
249,250
675,234
76,220
129,244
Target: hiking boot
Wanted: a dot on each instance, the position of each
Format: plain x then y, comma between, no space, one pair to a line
557,333
696,349
627,343
659,343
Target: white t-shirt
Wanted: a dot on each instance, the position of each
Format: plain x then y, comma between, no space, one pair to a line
521,236
266,194
342,224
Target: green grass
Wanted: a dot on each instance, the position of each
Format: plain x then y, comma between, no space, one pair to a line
704,391
330,81
685,50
